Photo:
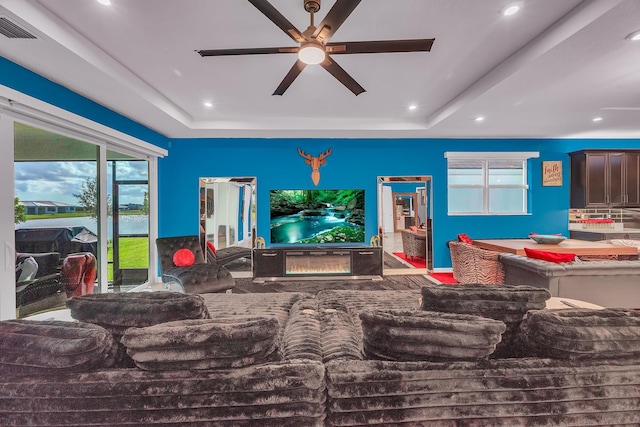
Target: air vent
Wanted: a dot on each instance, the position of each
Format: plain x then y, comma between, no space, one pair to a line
13,30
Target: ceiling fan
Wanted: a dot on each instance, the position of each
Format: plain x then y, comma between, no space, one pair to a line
314,46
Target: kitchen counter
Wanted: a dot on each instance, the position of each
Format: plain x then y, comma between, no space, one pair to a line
594,234
578,227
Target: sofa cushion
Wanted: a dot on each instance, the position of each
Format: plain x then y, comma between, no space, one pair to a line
504,392
464,238
506,303
428,335
582,333
201,278
229,342
288,394
549,256
183,258
49,347
26,270
117,312
136,309
302,335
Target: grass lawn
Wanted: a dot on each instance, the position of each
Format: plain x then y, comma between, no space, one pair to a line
134,253
57,215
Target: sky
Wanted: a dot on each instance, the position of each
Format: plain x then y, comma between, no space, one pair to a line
58,181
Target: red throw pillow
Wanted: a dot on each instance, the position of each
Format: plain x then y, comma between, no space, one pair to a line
413,228
213,248
183,258
464,239
549,256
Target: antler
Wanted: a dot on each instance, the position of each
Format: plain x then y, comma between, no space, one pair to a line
325,154
303,154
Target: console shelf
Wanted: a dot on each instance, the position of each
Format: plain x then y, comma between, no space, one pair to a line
317,263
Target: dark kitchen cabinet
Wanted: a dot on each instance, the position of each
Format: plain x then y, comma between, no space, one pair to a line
632,179
604,178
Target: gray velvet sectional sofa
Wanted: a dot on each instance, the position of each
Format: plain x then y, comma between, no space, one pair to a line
607,283
319,374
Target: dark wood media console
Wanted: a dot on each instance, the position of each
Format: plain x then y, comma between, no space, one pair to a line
317,263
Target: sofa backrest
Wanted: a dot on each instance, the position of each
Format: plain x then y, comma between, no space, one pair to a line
167,247
536,266
605,268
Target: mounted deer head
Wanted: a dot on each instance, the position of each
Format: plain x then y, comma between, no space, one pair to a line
315,163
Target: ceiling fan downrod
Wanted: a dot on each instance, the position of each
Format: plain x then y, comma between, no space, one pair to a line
312,6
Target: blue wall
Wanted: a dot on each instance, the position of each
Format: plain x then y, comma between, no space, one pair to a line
354,163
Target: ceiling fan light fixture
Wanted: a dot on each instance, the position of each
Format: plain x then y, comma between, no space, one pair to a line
634,37
511,9
311,53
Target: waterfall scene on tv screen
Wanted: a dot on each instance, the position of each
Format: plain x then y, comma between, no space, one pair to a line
317,216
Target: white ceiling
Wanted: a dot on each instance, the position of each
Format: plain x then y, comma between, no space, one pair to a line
544,72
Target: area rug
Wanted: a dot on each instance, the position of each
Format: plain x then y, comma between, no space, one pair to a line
417,261
446,278
391,261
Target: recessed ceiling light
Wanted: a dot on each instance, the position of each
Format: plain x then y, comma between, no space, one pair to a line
105,2
208,104
413,107
479,119
511,9
597,119
634,37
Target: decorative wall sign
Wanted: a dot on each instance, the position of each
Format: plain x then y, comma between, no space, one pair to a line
552,173
315,163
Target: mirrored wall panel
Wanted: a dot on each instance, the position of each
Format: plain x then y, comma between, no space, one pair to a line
404,223
228,217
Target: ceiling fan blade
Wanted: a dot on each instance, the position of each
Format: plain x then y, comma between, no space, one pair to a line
335,17
290,77
276,17
339,73
249,51
383,46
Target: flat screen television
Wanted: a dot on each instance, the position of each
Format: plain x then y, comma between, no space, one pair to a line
310,217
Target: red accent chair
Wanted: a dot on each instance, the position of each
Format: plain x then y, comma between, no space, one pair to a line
79,273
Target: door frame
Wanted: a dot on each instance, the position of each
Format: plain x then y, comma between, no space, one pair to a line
419,180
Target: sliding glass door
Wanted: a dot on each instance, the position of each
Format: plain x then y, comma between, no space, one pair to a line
129,228
57,217
59,208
